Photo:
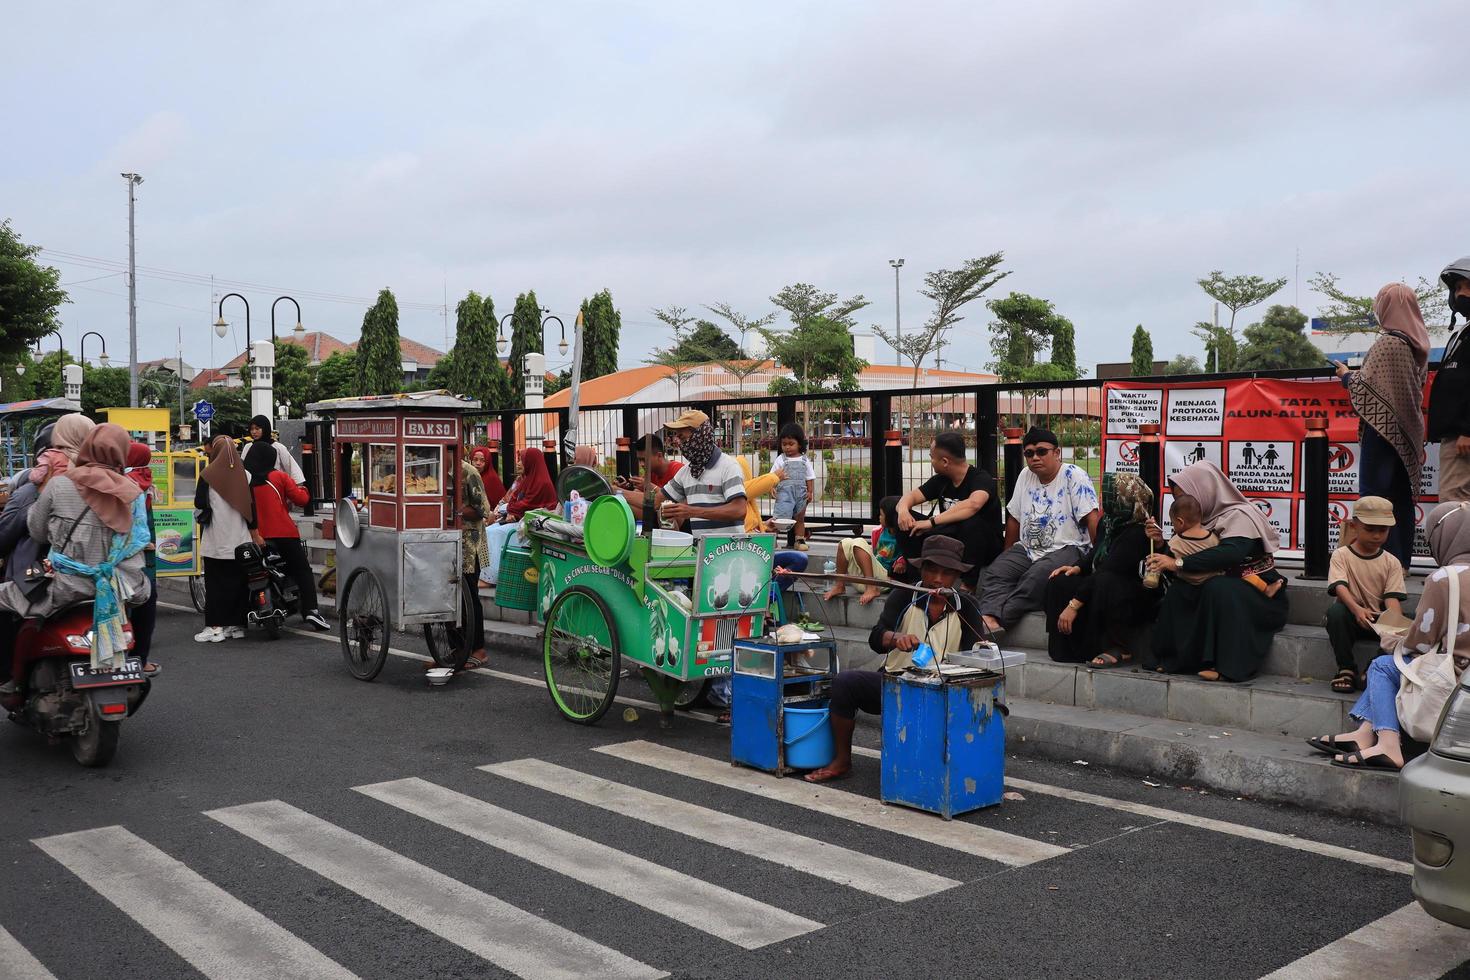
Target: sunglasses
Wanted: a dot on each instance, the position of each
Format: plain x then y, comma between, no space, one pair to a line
1038,451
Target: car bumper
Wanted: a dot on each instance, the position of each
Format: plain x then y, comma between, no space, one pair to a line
1434,798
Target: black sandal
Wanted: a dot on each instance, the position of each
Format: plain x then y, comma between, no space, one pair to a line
1328,746
1105,660
1345,681
1356,760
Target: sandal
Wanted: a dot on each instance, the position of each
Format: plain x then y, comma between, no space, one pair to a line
826,775
1356,760
1328,746
475,662
1105,660
1209,674
723,718
1345,681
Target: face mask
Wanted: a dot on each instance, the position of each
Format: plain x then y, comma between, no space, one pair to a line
1461,305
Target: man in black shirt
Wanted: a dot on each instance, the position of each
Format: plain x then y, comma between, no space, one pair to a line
946,619
967,507
1449,396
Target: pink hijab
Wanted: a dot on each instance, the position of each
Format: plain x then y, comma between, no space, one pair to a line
1397,310
1226,510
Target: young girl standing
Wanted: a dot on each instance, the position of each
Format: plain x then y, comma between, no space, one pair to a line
797,485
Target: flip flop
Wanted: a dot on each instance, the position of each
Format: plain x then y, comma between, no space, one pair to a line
1356,760
1098,663
474,663
817,777
1327,746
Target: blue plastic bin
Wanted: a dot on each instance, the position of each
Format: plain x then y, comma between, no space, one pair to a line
808,737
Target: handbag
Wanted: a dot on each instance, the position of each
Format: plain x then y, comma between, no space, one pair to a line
1427,681
28,568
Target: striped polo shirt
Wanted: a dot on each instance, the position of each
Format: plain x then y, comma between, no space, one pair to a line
720,483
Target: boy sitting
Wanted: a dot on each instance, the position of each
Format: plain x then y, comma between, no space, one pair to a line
1191,537
1365,580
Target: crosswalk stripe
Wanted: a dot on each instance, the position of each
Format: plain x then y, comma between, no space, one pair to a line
492,929
16,962
744,921
1408,944
854,869
957,835
219,935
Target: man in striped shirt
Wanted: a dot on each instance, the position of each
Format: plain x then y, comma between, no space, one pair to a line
708,491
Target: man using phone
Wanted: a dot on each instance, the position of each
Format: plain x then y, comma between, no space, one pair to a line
1449,396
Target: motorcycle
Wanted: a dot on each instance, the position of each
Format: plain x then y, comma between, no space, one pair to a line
60,695
273,595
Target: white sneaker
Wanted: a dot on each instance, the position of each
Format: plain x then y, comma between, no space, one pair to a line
210,634
234,633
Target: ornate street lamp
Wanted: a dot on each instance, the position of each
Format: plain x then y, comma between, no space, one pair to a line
299,328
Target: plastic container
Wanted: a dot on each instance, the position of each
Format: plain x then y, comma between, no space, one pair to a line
808,737
672,544
988,658
518,583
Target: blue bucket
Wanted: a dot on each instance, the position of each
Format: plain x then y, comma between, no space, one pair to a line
808,737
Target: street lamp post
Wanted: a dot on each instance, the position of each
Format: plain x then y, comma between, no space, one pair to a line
133,181
897,320
533,374
299,327
221,328
82,347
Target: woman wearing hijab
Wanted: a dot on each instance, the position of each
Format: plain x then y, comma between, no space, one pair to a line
139,469
1090,607
94,522
67,436
1223,628
532,490
226,509
273,493
1377,743
260,433
483,460
1387,393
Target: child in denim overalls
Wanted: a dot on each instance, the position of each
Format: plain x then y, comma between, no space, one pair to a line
796,488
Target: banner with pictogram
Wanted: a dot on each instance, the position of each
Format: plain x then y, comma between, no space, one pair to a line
1253,430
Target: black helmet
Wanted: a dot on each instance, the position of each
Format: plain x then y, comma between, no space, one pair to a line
1456,270
42,442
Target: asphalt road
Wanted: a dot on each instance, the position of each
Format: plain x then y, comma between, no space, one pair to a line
346,883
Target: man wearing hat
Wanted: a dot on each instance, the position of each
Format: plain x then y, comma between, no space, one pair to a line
946,618
1051,521
1364,580
708,491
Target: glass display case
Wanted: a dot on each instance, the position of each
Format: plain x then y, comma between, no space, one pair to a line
382,466
421,470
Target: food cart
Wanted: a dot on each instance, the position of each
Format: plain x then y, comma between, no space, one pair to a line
396,461
609,590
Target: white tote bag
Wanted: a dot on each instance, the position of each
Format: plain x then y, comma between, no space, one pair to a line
1427,681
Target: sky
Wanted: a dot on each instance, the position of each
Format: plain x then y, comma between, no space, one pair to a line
692,154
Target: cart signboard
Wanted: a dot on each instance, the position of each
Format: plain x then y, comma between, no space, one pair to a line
733,574
176,540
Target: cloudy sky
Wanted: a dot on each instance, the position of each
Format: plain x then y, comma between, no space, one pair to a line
690,154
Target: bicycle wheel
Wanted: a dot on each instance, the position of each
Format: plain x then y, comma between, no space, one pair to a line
196,592
581,655
451,645
364,625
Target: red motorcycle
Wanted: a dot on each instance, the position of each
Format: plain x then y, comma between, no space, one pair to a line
57,692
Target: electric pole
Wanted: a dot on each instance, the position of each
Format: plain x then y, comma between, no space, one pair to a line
133,181
897,320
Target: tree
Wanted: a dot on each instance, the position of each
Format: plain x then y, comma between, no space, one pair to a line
1025,326
473,366
602,328
44,375
232,413
106,387
1064,348
1237,293
1346,313
30,295
1278,342
706,342
292,379
1222,350
950,290
673,356
741,324
1183,364
819,354
1143,353
379,352
525,337
336,377
803,303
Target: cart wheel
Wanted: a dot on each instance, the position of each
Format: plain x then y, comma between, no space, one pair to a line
451,645
692,694
364,625
581,655
196,592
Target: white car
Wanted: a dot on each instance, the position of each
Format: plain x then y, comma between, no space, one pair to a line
1434,803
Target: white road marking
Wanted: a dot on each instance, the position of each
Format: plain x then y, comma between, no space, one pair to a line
957,835
736,918
854,869
16,962
513,940
219,935
1204,823
1409,944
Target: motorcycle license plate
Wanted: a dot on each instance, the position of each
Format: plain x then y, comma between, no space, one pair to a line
83,676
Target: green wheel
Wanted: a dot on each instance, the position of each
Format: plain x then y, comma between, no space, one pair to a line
581,655
364,625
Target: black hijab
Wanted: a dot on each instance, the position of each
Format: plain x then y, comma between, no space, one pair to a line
260,459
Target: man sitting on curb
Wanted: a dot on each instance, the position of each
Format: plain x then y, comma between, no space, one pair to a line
946,620
1051,521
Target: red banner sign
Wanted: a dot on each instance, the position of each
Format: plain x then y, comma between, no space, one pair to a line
1253,430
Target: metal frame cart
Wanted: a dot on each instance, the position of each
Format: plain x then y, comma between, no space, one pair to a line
770,678
397,523
605,594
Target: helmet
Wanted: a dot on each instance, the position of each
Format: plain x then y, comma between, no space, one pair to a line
1458,269
42,442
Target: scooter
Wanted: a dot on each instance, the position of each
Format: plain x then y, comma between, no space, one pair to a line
273,595
60,695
